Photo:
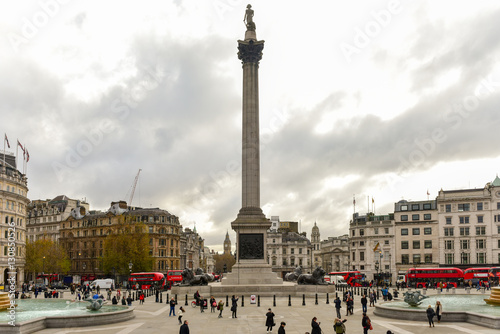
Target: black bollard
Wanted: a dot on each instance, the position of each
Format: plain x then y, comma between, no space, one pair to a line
166,299
227,301
274,300
157,296
242,301
327,299
289,300
316,302
336,295
161,298
303,300
258,301
176,299
186,303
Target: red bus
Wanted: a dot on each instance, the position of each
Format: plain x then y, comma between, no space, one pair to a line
353,278
494,275
421,277
174,276
147,280
475,275
48,278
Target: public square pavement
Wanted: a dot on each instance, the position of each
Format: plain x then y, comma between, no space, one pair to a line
152,318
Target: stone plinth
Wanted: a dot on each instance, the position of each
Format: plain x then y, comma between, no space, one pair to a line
494,297
4,301
251,273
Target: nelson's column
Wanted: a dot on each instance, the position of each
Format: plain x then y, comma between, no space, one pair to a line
251,225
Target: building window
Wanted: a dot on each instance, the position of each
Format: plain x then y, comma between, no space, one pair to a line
292,251
386,242
481,243
464,231
448,207
449,258
404,244
274,241
361,232
464,207
404,231
427,230
405,259
416,258
481,258
448,231
464,258
480,230
428,258
428,244
353,233
448,220
404,218
415,231
353,256
404,207
300,250
427,206
361,243
415,207
416,244
415,217
386,230
361,256
375,230
479,206
449,244
464,220
498,205
464,244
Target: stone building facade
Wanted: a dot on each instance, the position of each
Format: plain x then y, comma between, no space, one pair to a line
191,249
286,251
45,216
13,210
333,254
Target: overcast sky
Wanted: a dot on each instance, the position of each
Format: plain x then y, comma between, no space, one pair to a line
372,99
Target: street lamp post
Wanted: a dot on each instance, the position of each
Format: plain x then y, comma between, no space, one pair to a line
130,265
376,281
390,272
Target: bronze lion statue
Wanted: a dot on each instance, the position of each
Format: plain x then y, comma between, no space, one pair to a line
188,278
316,278
292,277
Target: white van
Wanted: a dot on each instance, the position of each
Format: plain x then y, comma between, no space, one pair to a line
337,280
105,283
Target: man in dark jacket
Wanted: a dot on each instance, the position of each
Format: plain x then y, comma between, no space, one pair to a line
338,306
364,301
172,307
281,330
184,328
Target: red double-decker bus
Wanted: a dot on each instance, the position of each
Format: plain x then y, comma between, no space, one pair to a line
494,275
422,277
353,278
147,280
174,276
474,275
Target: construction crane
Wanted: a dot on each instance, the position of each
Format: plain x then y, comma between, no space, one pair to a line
133,188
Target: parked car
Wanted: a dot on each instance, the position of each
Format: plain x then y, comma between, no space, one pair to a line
58,285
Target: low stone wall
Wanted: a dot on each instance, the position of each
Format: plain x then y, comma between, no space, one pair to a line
452,316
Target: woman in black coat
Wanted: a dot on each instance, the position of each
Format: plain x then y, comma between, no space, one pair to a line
234,306
269,320
315,326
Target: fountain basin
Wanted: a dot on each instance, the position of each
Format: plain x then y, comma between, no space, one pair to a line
35,315
457,308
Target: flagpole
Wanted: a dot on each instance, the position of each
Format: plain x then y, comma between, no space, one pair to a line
4,150
17,150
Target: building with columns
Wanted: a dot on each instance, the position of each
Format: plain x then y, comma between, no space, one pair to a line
469,226
333,254
191,248
13,210
372,245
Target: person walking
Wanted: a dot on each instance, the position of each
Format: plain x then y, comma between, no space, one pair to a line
181,312
234,306
172,307
366,323
430,315
213,304
220,307
315,326
372,298
338,326
141,298
338,306
364,301
439,310
184,329
269,320
202,304
350,306
281,330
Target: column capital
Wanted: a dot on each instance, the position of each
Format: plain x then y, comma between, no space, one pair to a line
250,51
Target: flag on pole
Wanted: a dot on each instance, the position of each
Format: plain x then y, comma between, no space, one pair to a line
19,144
27,155
376,247
428,193
373,200
7,140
